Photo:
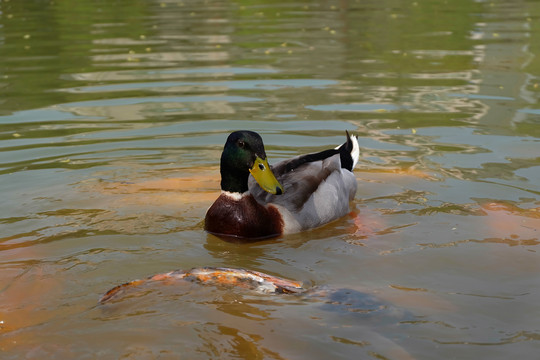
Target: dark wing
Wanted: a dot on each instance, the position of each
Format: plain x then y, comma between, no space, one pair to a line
300,177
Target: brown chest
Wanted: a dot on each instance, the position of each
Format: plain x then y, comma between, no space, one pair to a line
243,218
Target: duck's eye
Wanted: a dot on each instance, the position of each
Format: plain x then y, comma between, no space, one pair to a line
261,166
241,144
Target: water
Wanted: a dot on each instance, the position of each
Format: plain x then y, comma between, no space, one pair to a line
112,119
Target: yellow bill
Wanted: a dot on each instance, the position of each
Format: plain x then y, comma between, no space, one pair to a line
265,177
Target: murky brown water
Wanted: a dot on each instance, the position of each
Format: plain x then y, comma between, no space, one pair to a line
112,119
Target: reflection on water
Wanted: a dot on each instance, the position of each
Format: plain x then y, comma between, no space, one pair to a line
112,120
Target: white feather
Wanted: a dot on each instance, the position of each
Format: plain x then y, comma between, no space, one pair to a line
234,195
355,153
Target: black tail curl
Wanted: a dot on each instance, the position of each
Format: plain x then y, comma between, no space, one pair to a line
345,153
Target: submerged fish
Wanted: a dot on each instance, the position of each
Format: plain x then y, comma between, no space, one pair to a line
249,279
348,302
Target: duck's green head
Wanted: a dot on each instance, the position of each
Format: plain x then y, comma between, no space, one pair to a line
244,154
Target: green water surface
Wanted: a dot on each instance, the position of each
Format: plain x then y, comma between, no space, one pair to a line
113,115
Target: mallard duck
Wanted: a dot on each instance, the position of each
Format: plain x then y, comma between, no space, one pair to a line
261,201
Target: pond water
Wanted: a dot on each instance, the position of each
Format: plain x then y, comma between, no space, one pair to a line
113,115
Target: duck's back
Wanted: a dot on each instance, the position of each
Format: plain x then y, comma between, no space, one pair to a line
316,191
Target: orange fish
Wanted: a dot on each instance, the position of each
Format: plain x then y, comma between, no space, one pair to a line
249,279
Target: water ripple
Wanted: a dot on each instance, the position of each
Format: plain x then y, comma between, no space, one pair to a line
184,86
